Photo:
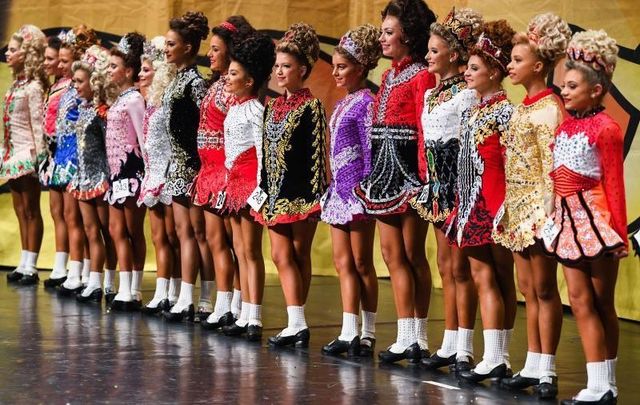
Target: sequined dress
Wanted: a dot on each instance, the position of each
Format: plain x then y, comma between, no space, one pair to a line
181,103
528,163
349,157
588,177
441,120
123,140
156,154
211,177
243,152
481,180
23,145
65,158
293,158
398,165
92,178
51,106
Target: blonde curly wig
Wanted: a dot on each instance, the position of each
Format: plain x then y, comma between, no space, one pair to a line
595,54
95,61
460,30
163,75
32,43
548,36
301,41
361,46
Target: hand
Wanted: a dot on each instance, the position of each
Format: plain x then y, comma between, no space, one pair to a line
620,252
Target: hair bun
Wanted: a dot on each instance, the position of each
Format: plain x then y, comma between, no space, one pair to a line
550,34
362,44
198,23
302,40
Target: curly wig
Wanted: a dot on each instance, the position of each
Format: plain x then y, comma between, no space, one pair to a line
548,36
301,41
361,46
32,44
494,45
83,37
95,62
595,54
193,28
257,55
415,19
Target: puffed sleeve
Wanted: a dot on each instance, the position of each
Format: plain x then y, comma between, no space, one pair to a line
610,144
545,130
35,94
424,81
255,120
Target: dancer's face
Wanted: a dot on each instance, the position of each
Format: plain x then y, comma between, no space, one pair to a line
239,83
578,94
81,84
524,66
480,76
218,55
348,75
439,58
65,60
289,71
146,74
176,49
51,62
392,39
117,71
15,56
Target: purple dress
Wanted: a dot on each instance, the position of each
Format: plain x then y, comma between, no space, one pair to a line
350,157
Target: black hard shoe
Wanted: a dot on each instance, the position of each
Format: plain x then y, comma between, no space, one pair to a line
54,282
367,346
254,333
424,354
300,339
14,276
337,346
411,353
68,292
496,373
185,315
201,315
435,361
225,320
548,387
606,399
95,296
163,306
518,382
234,329
125,306
508,373
462,365
29,279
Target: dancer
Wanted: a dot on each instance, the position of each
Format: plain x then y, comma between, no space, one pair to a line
250,68
399,170
352,230
52,103
589,230
23,145
480,189
181,103
91,180
443,106
292,177
210,181
155,76
126,169
529,196
65,159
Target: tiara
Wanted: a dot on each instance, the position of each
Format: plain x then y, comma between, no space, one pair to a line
463,33
124,46
228,26
67,37
485,45
349,45
153,52
590,58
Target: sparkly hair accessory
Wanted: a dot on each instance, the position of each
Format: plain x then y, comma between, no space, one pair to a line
590,58
463,33
228,26
96,57
30,33
533,35
348,44
124,46
487,47
67,37
154,49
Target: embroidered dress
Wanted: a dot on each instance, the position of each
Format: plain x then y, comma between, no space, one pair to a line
243,152
211,177
528,162
398,166
156,153
293,158
181,103
92,178
481,182
588,178
349,157
65,158
441,119
51,106
123,140
23,145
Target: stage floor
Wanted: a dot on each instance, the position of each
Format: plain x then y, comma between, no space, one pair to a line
54,350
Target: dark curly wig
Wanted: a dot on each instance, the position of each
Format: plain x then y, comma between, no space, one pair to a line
257,55
135,42
500,34
415,18
193,28
234,30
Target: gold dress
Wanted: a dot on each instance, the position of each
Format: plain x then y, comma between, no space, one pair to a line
529,160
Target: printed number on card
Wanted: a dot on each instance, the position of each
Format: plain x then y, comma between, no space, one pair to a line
220,200
257,198
323,199
423,197
120,189
550,232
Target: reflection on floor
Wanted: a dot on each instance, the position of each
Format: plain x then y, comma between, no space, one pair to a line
54,350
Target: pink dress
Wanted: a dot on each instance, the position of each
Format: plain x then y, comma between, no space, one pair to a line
51,106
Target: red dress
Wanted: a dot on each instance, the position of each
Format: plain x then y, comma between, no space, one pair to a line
211,178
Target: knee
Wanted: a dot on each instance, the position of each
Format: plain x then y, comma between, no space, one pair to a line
117,231
282,259
253,255
342,263
200,234
547,292
417,260
364,266
159,239
184,231
581,303
93,232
